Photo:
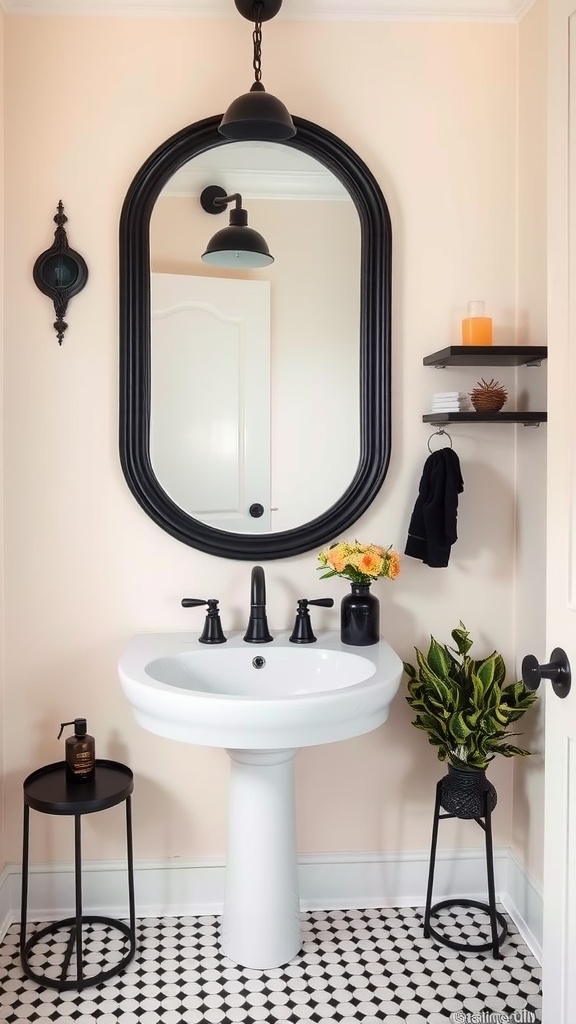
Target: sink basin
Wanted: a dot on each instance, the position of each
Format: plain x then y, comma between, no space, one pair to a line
261,702
215,696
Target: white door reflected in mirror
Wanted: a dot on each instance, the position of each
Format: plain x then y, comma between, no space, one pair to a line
210,397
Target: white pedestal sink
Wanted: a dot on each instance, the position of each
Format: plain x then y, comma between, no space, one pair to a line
261,714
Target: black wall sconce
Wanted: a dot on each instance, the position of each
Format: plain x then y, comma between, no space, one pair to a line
236,246
60,273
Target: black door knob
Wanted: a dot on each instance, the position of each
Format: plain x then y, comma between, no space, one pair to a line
557,670
256,510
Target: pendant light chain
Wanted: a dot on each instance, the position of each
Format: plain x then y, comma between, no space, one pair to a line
257,40
257,114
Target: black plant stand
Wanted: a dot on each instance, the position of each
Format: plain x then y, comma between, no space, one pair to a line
496,938
46,790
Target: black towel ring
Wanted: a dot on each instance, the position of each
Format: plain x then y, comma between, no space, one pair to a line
439,431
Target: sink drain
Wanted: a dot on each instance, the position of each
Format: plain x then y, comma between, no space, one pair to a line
258,661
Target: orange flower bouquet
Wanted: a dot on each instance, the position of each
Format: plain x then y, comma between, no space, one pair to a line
359,563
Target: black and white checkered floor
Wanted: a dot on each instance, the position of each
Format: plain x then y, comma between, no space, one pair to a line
357,966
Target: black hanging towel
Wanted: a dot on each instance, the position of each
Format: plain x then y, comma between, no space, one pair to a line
432,530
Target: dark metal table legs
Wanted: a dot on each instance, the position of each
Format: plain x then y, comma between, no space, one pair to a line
76,924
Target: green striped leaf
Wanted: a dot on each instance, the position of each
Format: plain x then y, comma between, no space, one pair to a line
438,659
459,730
460,637
485,672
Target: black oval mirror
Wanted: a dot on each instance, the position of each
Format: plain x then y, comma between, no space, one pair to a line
374,348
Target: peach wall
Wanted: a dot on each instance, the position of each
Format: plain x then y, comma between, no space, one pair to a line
527,826
431,108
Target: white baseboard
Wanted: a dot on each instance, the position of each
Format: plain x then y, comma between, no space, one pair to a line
8,902
393,879
176,888
524,902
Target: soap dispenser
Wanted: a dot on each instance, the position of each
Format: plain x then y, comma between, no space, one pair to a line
476,327
79,752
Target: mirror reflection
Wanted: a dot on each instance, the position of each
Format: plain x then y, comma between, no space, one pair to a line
255,374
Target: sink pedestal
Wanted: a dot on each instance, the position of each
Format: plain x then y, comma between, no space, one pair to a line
261,925
261,711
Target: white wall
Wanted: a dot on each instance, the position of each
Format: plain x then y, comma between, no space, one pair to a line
432,110
2,722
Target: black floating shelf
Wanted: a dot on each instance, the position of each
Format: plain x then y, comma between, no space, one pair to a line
527,418
487,355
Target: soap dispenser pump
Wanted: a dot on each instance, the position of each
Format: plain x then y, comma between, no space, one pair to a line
79,752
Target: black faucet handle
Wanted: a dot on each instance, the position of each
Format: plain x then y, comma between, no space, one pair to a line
212,632
303,632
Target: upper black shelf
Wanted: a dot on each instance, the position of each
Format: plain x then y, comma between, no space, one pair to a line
527,418
487,355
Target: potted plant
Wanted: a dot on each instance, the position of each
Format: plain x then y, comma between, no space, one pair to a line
466,709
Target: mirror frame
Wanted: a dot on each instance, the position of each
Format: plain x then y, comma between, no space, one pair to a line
375,354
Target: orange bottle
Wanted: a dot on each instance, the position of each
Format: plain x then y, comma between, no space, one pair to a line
476,328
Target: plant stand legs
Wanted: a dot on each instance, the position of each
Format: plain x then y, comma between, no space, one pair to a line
496,939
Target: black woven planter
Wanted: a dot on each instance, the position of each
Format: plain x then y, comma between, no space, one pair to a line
464,791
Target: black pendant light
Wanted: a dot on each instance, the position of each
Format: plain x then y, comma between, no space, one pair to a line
257,114
236,246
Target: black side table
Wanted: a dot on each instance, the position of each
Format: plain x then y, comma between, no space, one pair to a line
496,919
46,790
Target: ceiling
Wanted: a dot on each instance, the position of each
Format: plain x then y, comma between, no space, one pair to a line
318,10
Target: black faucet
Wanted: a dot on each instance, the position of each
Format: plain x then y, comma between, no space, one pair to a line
257,631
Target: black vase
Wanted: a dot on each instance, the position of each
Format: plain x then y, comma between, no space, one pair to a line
464,792
360,617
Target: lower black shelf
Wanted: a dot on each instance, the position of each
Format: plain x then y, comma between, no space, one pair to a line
527,418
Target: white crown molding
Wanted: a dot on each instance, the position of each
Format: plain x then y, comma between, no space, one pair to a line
257,171
264,185
305,10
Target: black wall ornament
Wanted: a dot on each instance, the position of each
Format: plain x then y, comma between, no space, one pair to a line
60,273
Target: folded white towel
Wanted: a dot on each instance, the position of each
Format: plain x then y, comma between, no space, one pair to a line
450,394
447,412
449,408
462,406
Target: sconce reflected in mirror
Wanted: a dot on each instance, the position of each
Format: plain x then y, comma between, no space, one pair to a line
60,272
237,245
257,114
